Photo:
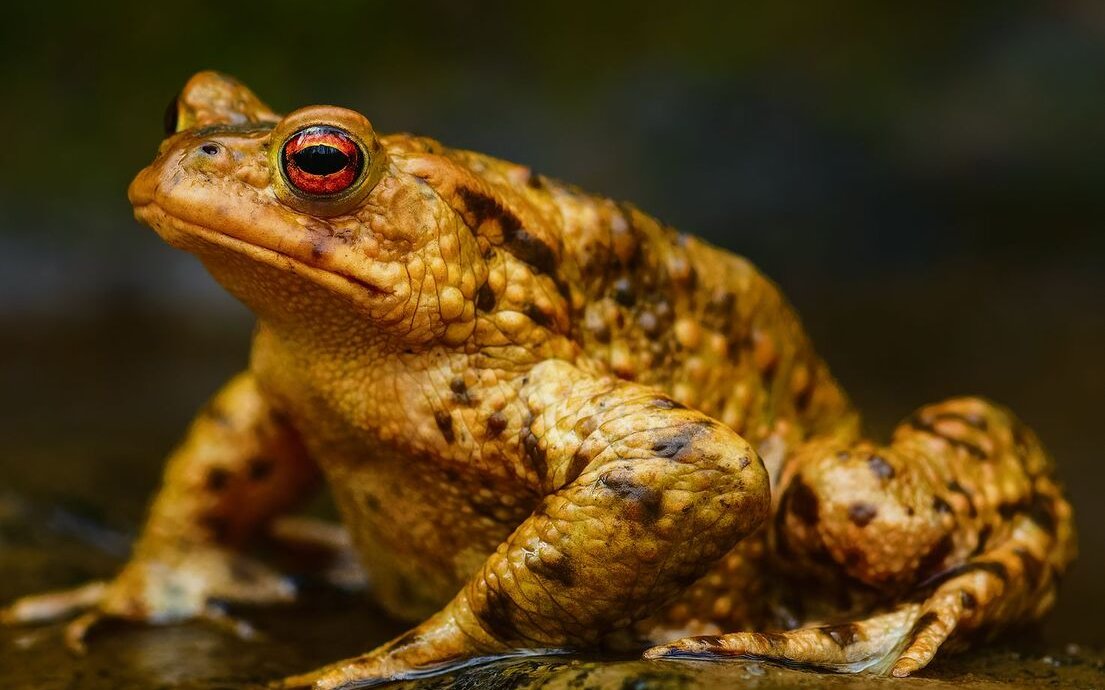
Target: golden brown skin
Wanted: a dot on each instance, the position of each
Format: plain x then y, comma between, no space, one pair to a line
551,422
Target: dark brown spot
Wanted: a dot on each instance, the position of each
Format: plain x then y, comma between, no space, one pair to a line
623,292
1042,512
535,454
497,615
880,467
445,424
971,419
854,558
983,538
1009,509
968,600
803,501
601,331
955,486
533,181
484,208
1032,566
674,446
861,513
542,319
933,561
218,478
843,635
496,423
805,397
642,502
217,526
517,240
557,568
531,250
485,298
941,506
769,371
261,469
460,391
928,428
579,462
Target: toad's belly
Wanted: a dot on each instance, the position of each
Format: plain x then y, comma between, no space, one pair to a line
421,531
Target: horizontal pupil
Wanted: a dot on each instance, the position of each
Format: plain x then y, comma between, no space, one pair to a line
320,159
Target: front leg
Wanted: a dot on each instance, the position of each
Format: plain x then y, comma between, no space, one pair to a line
642,496
239,465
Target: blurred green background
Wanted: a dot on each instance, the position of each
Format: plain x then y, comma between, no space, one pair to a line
924,181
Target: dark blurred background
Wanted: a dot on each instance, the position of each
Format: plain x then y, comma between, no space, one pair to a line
924,181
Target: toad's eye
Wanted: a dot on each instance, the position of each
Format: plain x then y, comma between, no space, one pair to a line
321,160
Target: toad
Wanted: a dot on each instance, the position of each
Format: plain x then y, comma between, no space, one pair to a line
549,422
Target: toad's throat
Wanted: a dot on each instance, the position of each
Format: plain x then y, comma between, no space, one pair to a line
173,228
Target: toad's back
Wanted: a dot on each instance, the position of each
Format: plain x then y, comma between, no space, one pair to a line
666,309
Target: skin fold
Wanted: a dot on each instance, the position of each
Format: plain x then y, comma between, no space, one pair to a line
551,422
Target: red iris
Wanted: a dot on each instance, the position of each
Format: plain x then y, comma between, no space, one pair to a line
321,160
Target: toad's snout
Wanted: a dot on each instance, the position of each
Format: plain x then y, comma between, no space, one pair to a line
174,166
204,170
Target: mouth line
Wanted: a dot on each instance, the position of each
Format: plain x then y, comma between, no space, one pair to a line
229,241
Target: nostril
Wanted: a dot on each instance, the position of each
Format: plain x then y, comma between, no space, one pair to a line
210,149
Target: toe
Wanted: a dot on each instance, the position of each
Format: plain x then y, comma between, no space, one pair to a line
688,646
42,608
77,631
904,667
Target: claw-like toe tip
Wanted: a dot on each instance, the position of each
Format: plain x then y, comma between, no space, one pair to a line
904,667
686,647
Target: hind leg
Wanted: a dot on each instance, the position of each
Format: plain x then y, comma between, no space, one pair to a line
959,519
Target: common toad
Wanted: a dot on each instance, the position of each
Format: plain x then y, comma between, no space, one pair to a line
549,421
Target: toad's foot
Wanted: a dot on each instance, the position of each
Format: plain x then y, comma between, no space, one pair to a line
445,640
1011,583
159,593
239,467
845,648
